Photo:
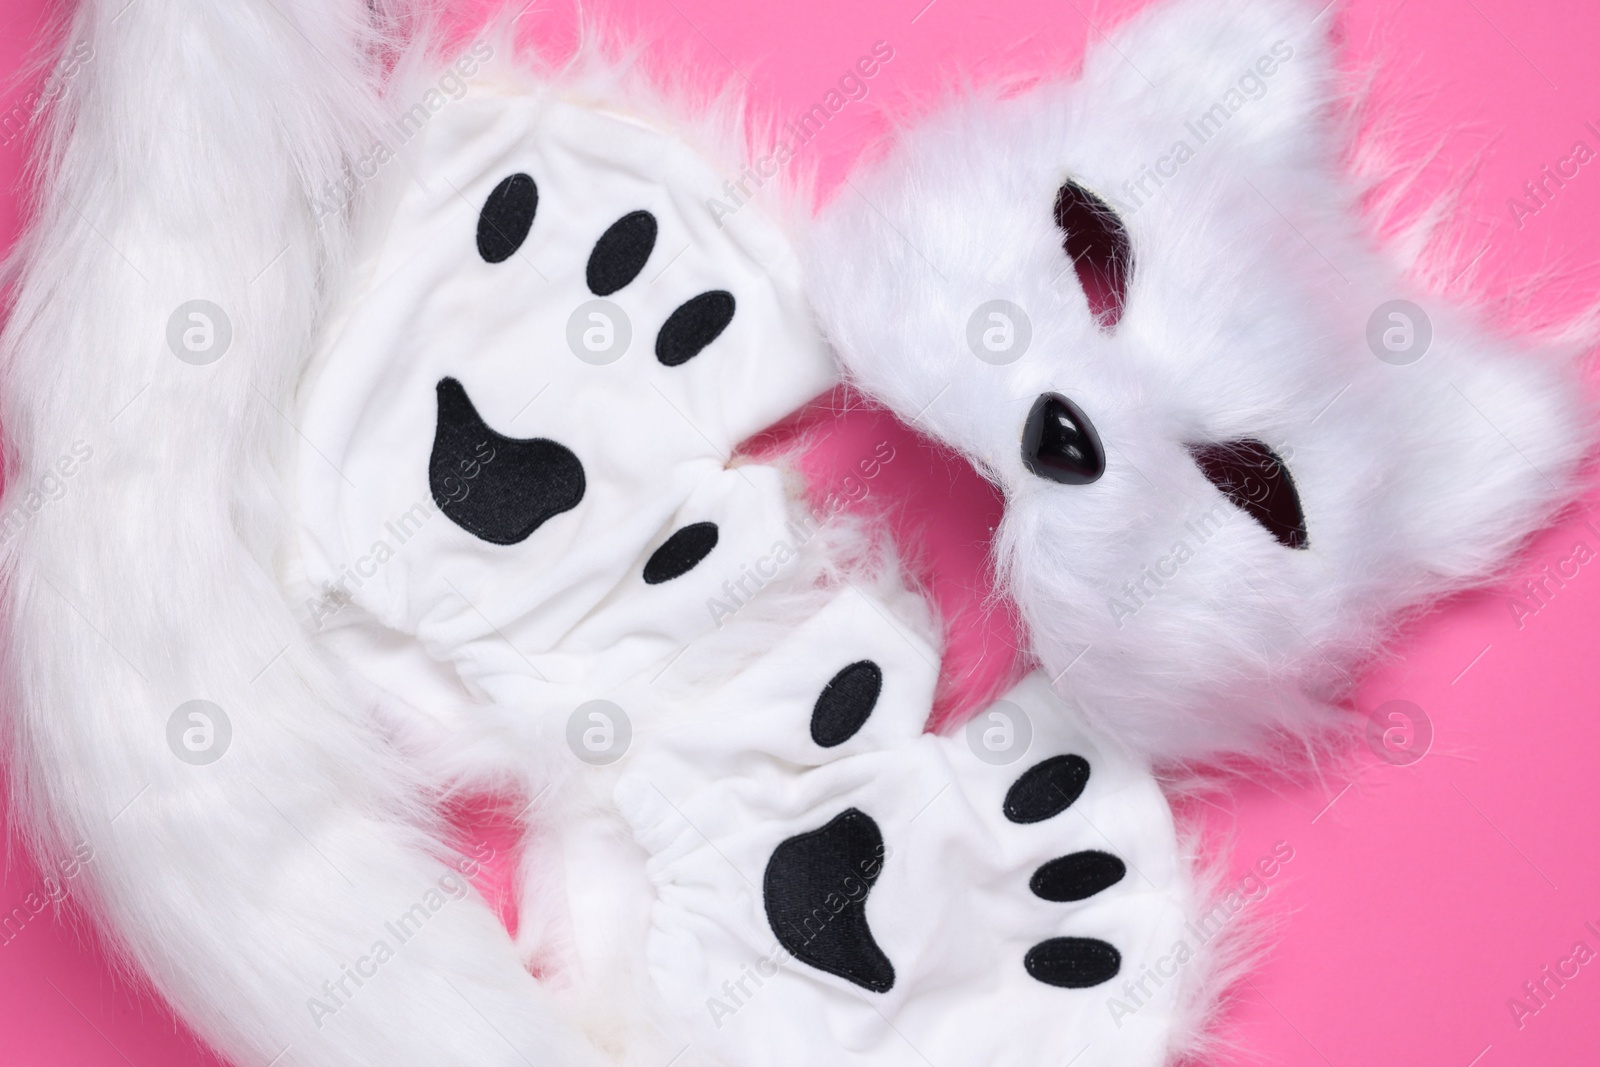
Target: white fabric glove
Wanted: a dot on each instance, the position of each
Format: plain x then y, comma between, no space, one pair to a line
867,900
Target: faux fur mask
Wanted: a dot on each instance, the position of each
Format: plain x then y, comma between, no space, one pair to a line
1236,441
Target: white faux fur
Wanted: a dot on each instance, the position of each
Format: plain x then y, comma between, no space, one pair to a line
146,563
1174,620
184,162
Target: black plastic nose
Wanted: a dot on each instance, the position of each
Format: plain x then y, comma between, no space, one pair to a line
1059,442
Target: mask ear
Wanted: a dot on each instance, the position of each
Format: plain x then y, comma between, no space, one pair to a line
1256,74
1493,442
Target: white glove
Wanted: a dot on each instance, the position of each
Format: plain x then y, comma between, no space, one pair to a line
835,886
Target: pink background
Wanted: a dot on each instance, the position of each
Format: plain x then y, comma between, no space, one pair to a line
1420,898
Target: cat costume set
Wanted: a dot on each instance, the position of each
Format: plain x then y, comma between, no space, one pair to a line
432,484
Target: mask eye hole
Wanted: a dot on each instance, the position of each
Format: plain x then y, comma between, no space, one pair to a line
1256,481
1096,242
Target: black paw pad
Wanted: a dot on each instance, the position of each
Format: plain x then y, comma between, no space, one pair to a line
845,703
816,889
621,252
1047,789
506,218
680,553
1073,962
497,488
696,323
1078,876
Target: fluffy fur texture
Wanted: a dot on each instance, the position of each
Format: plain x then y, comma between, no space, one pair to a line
185,162
1170,616
244,888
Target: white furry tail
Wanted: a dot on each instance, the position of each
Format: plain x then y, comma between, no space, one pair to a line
260,856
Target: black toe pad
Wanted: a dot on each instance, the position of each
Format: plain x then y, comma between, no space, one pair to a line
1047,789
1078,876
1073,962
845,703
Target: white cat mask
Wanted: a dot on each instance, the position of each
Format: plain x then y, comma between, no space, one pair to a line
1235,442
